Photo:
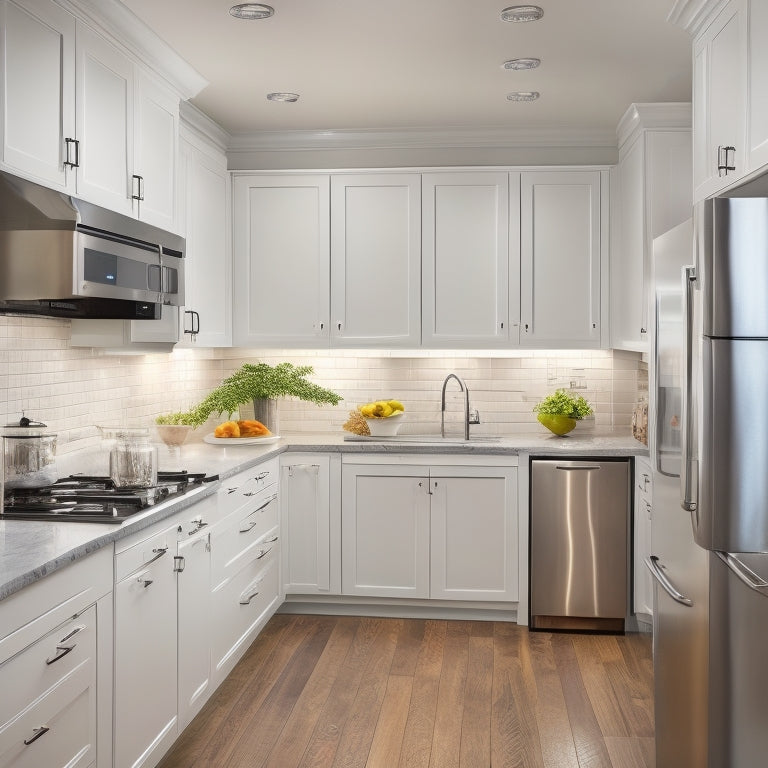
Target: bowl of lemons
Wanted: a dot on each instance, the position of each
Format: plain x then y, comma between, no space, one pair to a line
383,417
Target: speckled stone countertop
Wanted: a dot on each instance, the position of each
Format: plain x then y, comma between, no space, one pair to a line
31,550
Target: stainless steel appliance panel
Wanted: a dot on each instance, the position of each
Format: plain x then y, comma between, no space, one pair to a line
579,524
733,265
739,674
732,506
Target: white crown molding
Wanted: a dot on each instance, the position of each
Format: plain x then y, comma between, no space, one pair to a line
126,29
694,15
197,122
419,138
675,115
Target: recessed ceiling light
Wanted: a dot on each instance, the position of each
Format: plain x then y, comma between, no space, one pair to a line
517,64
251,11
522,13
523,96
283,96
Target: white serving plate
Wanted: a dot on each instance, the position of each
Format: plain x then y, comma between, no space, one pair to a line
211,438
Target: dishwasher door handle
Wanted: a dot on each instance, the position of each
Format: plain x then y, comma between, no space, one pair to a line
652,563
582,468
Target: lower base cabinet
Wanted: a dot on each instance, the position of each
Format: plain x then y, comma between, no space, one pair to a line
434,532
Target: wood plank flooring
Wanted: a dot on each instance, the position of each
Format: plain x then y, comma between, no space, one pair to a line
347,692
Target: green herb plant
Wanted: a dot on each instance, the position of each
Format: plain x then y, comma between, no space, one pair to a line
255,382
563,403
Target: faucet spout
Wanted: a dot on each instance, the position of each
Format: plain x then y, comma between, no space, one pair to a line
465,390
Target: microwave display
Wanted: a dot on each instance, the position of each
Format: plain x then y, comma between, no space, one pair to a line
122,272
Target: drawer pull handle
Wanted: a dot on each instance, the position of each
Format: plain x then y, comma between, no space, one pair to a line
77,629
249,527
38,733
266,504
144,582
61,652
158,552
247,596
250,493
263,553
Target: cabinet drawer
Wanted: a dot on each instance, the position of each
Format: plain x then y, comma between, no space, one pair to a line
233,541
239,490
68,712
239,604
161,545
41,666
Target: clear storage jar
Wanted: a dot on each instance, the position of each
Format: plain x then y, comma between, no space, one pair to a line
29,455
133,459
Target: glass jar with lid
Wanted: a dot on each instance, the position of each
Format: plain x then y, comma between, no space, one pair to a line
132,458
29,455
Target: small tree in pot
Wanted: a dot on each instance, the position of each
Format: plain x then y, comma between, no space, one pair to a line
262,384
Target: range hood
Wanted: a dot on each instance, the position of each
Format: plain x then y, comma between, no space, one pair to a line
65,257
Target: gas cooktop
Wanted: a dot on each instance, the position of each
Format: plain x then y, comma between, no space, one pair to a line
86,499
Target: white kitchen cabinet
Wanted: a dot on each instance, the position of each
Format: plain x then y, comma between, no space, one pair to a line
245,564
560,252
719,101
281,259
376,260
37,68
757,64
193,566
470,259
129,336
643,582
652,193
385,531
105,129
311,520
53,669
473,542
420,531
205,219
156,152
145,703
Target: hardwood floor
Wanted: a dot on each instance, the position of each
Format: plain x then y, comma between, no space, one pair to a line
318,691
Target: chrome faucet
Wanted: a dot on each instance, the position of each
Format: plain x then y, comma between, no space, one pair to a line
465,390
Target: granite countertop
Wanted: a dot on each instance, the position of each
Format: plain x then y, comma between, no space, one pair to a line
31,550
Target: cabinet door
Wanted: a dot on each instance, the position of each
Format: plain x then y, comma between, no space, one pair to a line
643,589
105,91
194,644
282,260
145,656
466,264
376,260
719,71
385,532
473,550
306,515
208,271
757,33
560,258
37,70
156,131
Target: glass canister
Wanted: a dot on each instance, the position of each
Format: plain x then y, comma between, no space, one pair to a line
29,455
133,459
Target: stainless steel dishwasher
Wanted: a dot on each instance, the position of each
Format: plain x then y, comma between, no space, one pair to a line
580,513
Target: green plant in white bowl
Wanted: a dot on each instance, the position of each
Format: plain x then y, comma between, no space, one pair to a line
560,411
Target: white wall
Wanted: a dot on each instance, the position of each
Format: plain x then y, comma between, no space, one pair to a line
73,389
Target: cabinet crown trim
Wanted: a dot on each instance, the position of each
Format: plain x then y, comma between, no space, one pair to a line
662,116
114,18
694,15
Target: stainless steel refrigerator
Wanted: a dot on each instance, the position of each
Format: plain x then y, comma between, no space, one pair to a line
725,466
678,565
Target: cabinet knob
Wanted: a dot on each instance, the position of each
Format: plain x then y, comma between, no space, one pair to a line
643,331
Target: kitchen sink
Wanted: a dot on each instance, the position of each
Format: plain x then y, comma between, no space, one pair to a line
432,439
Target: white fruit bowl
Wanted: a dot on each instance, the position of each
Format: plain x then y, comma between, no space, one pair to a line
387,426
173,434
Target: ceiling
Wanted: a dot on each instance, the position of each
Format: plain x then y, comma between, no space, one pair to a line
425,64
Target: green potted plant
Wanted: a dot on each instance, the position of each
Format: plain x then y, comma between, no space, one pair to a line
261,384
560,411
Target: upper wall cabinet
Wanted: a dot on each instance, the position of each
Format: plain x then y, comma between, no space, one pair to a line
281,260
37,68
470,259
560,236
651,192
375,260
82,115
757,63
327,260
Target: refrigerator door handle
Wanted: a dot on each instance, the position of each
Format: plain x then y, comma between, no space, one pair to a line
689,465
652,563
744,573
